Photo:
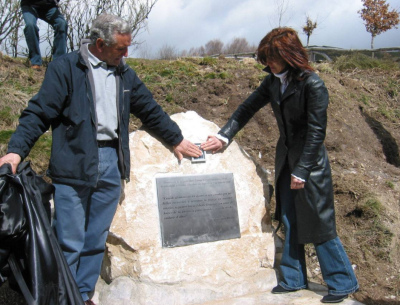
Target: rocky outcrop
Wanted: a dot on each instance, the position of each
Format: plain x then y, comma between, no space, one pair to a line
197,273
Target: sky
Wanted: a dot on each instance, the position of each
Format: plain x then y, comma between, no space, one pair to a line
183,24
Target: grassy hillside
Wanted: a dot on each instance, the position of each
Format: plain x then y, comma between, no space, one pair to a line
362,140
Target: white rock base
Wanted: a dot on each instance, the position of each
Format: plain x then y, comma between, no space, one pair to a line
197,273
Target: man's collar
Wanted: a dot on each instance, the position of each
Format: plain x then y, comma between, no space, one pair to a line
94,61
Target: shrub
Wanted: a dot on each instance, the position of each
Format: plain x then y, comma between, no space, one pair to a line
208,61
362,62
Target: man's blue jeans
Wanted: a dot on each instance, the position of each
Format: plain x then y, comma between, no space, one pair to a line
83,216
335,266
53,17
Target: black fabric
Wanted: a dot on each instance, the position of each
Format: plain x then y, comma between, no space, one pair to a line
111,143
301,116
13,226
27,240
40,3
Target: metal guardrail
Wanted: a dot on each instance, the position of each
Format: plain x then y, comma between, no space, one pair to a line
312,52
312,55
236,55
323,48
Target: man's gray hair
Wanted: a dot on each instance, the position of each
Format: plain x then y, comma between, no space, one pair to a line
106,26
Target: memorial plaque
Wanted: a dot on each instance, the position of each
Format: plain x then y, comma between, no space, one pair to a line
197,208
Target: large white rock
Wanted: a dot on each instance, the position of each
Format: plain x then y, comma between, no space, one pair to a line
197,273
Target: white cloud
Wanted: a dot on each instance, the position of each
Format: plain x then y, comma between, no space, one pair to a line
192,23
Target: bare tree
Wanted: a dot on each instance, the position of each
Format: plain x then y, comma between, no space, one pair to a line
281,10
193,52
214,47
309,28
80,13
237,45
184,53
135,12
378,18
167,52
252,48
10,18
190,53
12,42
144,51
201,51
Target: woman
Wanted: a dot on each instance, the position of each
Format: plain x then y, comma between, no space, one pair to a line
304,192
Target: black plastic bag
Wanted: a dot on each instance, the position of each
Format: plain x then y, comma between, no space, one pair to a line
27,241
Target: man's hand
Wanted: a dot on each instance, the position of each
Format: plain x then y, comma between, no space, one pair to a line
212,143
296,184
13,159
186,148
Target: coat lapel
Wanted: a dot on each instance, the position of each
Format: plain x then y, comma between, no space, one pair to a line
275,90
291,89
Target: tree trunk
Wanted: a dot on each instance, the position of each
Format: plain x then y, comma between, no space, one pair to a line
14,42
308,39
372,44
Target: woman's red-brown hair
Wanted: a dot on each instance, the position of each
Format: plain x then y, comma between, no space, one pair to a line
285,43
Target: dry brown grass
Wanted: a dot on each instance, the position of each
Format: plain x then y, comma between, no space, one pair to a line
362,141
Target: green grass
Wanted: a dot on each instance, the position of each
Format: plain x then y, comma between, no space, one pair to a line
150,78
390,184
7,117
211,75
167,72
169,98
223,75
259,66
365,100
216,75
42,148
29,85
5,136
40,153
393,88
363,62
389,113
208,61
375,239
373,207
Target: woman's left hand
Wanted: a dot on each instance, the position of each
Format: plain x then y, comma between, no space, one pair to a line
296,184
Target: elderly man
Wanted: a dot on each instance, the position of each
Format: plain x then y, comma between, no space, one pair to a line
86,98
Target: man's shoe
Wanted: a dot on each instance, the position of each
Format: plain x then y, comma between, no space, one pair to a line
331,298
279,290
89,302
36,67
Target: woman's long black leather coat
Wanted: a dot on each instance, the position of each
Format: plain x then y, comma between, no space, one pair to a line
301,114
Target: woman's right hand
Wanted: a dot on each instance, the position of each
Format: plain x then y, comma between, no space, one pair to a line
213,143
